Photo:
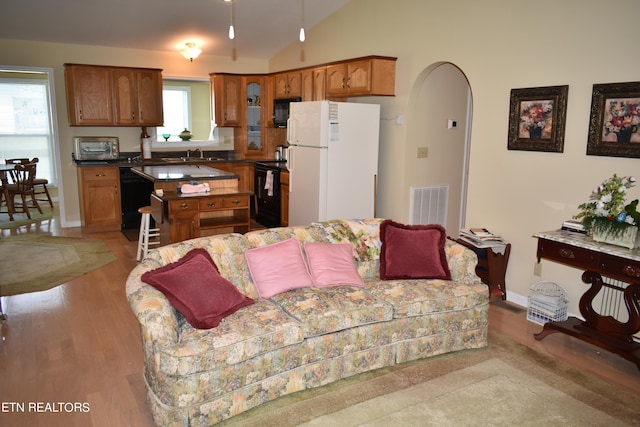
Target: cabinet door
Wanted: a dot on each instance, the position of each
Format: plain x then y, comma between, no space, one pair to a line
294,83
306,78
149,91
100,197
287,85
89,100
336,81
226,94
319,83
184,217
280,86
125,99
359,77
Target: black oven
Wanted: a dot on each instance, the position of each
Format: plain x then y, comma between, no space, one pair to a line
267,191
281,111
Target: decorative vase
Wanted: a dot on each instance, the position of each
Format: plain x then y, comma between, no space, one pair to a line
185,135
627,238
535,132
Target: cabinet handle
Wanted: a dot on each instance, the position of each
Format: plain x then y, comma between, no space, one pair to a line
133,115
348,82
184,206
566,253
236,202
211,204
101,174
141,117
344,83
80,113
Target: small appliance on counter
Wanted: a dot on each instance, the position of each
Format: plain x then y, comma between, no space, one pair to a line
101,149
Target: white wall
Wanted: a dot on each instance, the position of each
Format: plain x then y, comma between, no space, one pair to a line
499,45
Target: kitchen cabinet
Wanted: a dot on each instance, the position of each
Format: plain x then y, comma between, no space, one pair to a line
136,97
284,198
288,85
319,83
244,170
227,99
89,95
187,217
113,96
100,197
362,77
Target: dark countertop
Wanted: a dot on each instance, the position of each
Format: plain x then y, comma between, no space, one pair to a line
178,172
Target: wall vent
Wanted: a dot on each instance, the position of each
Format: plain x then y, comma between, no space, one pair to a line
428,205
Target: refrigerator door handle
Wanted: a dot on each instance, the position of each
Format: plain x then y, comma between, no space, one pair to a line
291,166
290,132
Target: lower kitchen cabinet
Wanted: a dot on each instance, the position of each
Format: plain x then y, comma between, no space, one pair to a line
284,198
100,197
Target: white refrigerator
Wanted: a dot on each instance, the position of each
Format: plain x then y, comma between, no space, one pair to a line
333,160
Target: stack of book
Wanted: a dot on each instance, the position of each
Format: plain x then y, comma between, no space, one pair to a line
573,225
481,238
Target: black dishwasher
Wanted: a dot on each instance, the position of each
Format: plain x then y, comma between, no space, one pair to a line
135,192
267,190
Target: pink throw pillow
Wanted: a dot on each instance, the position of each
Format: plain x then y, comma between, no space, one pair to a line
332,264
278,267
196,289
413,251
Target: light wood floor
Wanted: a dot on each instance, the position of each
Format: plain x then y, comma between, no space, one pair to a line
79,344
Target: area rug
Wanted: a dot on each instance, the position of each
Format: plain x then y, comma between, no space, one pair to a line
36,262
505,384
20,219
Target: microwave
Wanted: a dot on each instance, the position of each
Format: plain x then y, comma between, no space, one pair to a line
96,148
281,111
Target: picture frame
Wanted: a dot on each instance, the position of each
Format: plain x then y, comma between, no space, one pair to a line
614,123
537,118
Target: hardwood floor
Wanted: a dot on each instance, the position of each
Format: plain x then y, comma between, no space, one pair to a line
71,356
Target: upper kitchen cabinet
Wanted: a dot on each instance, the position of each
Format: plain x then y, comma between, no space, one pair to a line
136,97
369,76
227,99
89,95
113,96
288,85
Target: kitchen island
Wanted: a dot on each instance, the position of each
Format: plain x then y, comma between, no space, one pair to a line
182,216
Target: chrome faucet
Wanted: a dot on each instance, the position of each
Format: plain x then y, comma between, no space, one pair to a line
195,150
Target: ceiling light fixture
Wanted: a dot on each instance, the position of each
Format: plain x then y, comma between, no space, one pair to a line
232,32
302,35
190,51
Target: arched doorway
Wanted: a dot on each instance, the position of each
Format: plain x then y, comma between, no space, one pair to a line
438,135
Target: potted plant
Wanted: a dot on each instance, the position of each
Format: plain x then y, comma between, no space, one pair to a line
607,218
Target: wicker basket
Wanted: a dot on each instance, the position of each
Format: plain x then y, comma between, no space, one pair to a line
547,303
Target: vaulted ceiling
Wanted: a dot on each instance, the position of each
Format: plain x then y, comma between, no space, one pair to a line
262,27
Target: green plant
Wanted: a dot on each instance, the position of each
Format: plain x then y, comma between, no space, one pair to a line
606,210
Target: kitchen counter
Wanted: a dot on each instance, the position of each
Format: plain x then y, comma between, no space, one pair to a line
179,172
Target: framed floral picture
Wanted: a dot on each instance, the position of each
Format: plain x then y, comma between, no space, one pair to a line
537,118
615,120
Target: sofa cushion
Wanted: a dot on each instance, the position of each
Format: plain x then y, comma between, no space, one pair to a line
413,251
195,288
250,332
278,267
417,297
332,264
324,310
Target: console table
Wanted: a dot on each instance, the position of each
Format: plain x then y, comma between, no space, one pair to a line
614,275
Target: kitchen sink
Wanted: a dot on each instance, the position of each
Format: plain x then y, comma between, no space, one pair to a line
190,159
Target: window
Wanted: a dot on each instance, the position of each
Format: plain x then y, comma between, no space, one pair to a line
25,120
176,101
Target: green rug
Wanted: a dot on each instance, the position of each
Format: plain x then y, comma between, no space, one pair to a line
37,262
504,384
20,219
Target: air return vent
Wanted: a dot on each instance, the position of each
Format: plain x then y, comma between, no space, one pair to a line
428,205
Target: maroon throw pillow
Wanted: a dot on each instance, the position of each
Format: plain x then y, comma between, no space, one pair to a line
413,251
196,289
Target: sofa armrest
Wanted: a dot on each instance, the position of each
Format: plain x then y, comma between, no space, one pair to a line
462,263
157,317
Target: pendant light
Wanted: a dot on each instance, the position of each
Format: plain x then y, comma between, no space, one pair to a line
302,35
232,32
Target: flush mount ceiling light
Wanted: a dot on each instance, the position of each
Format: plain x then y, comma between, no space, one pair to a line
302,36
190,51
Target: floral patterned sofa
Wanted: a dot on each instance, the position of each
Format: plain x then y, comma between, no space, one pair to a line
301,338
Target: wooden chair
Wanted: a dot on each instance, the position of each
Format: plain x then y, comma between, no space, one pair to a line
22,184
39,184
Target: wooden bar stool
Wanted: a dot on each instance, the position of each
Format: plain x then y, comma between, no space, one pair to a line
146,233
